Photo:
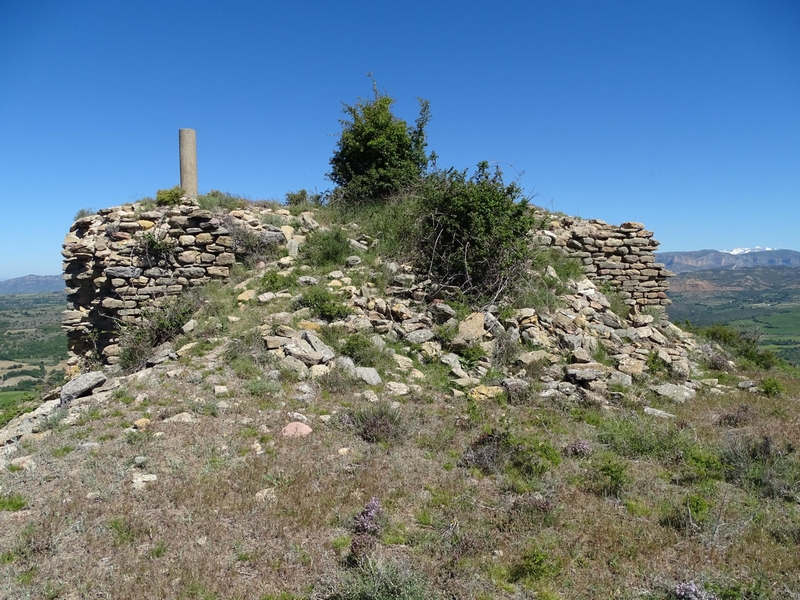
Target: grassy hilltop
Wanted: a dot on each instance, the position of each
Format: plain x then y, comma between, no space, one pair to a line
411,398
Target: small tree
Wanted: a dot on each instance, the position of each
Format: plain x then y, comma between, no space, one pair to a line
378,154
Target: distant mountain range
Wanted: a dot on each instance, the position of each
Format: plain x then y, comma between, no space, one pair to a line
740,258
32,284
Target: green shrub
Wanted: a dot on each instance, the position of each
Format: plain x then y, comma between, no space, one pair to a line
62,451
216,199
339,382
272,281
691,515
539,289
378,422
247,355
656,365
158,324
378,154
327,248
609,475
249,247
772,387
704,463
373,580
392,223
761,464
521,459
124,530
263,388
364,353
472,354
158,550
170,197
245,367
533,565
618,304
302,197
636,437
84,212
474,231
531,458
156,248
323,303
506,349
743,344
54,419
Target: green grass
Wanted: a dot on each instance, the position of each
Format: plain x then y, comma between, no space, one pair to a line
13,404
9,398
12,502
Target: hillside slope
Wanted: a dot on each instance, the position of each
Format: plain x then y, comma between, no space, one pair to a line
330,425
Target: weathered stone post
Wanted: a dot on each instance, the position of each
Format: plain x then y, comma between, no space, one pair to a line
187,141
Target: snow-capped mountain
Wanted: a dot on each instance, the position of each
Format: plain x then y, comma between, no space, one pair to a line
748,250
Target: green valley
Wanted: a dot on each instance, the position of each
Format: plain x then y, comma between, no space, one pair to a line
765,300
32,344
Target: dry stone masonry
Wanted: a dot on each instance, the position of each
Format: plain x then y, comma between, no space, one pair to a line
123,259
618,257
126,258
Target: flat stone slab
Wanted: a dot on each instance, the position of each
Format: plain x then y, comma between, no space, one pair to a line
318,346
485,392
81,385
585,372
470,330
661,414
534,356
676,393
451,360
395,388
368,375
420,336
183,417
303,351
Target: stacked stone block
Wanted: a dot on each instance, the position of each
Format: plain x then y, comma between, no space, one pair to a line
122,260
619,257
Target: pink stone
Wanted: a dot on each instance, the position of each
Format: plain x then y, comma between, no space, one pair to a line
296,429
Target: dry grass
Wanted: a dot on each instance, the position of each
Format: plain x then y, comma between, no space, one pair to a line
487,526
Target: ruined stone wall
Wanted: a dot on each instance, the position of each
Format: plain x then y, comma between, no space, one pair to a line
619,257
123,259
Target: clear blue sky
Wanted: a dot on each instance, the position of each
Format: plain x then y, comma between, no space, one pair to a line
681,114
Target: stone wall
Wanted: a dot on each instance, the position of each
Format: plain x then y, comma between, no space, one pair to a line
619,257
124,259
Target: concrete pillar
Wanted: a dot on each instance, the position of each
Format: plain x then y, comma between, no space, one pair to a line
187,141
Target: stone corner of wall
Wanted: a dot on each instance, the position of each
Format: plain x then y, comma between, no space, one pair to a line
128,257
619,256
